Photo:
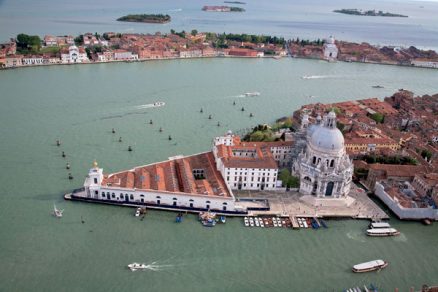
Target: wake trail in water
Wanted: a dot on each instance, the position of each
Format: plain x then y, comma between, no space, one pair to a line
321,76
175,10
355,236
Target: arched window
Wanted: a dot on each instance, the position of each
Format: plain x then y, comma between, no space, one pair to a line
332,163
314,159
131,197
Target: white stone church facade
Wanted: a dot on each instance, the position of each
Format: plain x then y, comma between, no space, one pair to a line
324,168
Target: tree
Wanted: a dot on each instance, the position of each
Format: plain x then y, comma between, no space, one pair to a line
194,32
378,117
79,40
28,42
426,154
172,31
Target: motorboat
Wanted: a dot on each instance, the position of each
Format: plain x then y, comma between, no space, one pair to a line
256,221
179,218
255,93
279,222
137,212
159,103
305,223
261,222
208,223
370,266
378,86
136,266
56,212
222,219
251,222
383,232
246,222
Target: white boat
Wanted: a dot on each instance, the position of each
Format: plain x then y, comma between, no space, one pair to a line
256,220
136,266
261,222
369,266
380,225
159,103
305,223
383,232
278,222
251,221
246,222
56,212
255,93
274,221
138,212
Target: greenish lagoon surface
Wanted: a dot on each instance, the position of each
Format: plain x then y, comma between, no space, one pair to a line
81,104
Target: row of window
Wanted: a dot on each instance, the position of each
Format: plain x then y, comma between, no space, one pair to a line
253,185
130,197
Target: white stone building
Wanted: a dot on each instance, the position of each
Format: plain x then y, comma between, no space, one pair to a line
250,165
74,55
330,49
324,168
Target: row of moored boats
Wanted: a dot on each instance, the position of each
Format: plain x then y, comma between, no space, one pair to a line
266,222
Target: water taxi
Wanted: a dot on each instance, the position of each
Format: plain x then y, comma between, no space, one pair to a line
137,212
369,266
56,212
136,266
159,103
383,232
255,93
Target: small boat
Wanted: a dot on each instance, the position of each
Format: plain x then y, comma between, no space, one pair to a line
136,266
251,222
380,225
369,266
255,93
256,221
179,218
208,223
323,223
246,222
378,86
137,212
279,222
383,232
222,219
159,103
305,223
261,222
56,212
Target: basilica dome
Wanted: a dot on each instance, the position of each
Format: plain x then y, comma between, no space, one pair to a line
327,137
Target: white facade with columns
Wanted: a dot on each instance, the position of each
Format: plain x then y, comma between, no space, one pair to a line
324,168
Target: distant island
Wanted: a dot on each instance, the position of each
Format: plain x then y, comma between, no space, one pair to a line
222,9
368,13
235,2
146,18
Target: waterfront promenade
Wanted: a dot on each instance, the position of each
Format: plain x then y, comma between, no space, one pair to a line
295,204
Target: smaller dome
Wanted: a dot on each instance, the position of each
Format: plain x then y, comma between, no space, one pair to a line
331,40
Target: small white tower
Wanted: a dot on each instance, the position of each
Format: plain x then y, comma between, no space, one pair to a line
93,181
330,49
305,122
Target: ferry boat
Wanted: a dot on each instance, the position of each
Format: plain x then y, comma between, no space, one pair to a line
136,266
56,212
255,93
369,266
383,232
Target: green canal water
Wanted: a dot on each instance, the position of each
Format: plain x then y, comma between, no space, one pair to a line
81,104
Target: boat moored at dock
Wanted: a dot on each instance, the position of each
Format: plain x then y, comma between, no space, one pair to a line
380,225
370,266
383,232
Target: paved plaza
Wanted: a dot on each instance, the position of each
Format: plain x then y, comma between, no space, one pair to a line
357,205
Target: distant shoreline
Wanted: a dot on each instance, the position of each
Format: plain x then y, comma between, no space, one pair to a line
145,18
360,12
